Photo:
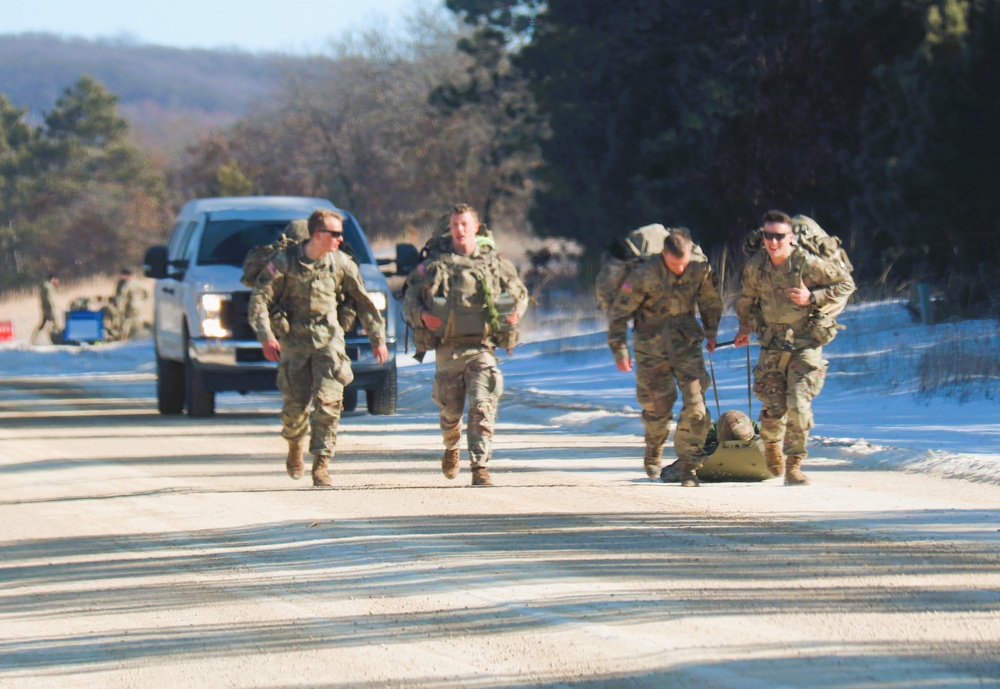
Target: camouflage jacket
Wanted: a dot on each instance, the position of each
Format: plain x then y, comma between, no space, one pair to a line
764,308
663,307
303,296
463,283
127,297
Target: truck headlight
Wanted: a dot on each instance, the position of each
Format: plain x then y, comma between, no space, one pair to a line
211,315
380,300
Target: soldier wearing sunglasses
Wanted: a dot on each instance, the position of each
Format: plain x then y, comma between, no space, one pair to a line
306,282
784,288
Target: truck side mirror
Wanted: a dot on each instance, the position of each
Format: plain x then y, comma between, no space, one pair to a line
407,258
155,263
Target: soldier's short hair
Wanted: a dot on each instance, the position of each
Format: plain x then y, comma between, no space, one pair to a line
777,217
318,219
678,243
464,208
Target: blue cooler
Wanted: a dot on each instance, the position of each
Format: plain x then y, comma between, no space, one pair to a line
84,326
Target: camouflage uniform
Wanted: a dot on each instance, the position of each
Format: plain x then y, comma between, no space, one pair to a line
465,366
125,316
47,299
296,300
791,369
668,342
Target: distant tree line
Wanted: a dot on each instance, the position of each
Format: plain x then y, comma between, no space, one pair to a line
395,131
588,118
76,198
35,68
877,117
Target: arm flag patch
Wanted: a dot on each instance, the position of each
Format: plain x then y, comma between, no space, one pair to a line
627,287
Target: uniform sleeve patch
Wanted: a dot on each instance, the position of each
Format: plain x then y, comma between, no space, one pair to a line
271,269
627,287
831,271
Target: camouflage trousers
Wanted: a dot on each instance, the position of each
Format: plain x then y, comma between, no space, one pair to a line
46,325
786,383
476,376
657,379
309,376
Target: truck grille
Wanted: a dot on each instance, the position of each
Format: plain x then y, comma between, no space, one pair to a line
234,318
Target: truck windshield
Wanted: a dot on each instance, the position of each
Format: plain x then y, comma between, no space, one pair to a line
226,242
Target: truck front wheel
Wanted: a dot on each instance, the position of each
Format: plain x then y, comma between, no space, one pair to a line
383,400
200,402
169,386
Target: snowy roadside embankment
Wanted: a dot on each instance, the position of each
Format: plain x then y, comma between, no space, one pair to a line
871,413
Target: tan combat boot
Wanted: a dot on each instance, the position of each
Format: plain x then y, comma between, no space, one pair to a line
321,477
293,463
775,460
481,477
793,474
450,463
651,460
689,474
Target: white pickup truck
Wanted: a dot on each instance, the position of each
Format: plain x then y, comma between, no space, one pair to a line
204,344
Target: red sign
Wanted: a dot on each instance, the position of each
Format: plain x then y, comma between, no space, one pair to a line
6,331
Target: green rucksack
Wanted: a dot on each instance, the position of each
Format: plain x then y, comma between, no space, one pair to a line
624,253
815,241
295,233
811,237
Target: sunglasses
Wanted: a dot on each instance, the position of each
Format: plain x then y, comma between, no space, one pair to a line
331,233
776,236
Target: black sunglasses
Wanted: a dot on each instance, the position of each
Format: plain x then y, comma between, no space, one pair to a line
331,233
776,236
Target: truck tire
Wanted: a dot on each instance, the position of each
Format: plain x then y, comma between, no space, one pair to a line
382,402
200,402
169,386
350,399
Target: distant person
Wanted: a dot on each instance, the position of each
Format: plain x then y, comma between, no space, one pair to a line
47,299
784,289
454,297
661,294
301,287
127,300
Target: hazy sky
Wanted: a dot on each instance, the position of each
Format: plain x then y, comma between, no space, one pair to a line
298,26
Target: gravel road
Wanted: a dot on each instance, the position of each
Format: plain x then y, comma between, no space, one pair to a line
146,551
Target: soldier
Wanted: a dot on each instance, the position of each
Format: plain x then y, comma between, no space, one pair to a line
126,306
784,288
661,295
455,296
300,287
47,299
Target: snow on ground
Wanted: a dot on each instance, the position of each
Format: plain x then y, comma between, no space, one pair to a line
871,413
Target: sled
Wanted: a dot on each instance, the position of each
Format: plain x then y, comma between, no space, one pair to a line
730,460
737,461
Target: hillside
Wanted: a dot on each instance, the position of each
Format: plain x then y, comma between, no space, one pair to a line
166,93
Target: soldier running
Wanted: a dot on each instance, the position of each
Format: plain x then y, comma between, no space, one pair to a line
454,296
661,295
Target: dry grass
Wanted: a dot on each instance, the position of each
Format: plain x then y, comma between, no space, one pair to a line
22,308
